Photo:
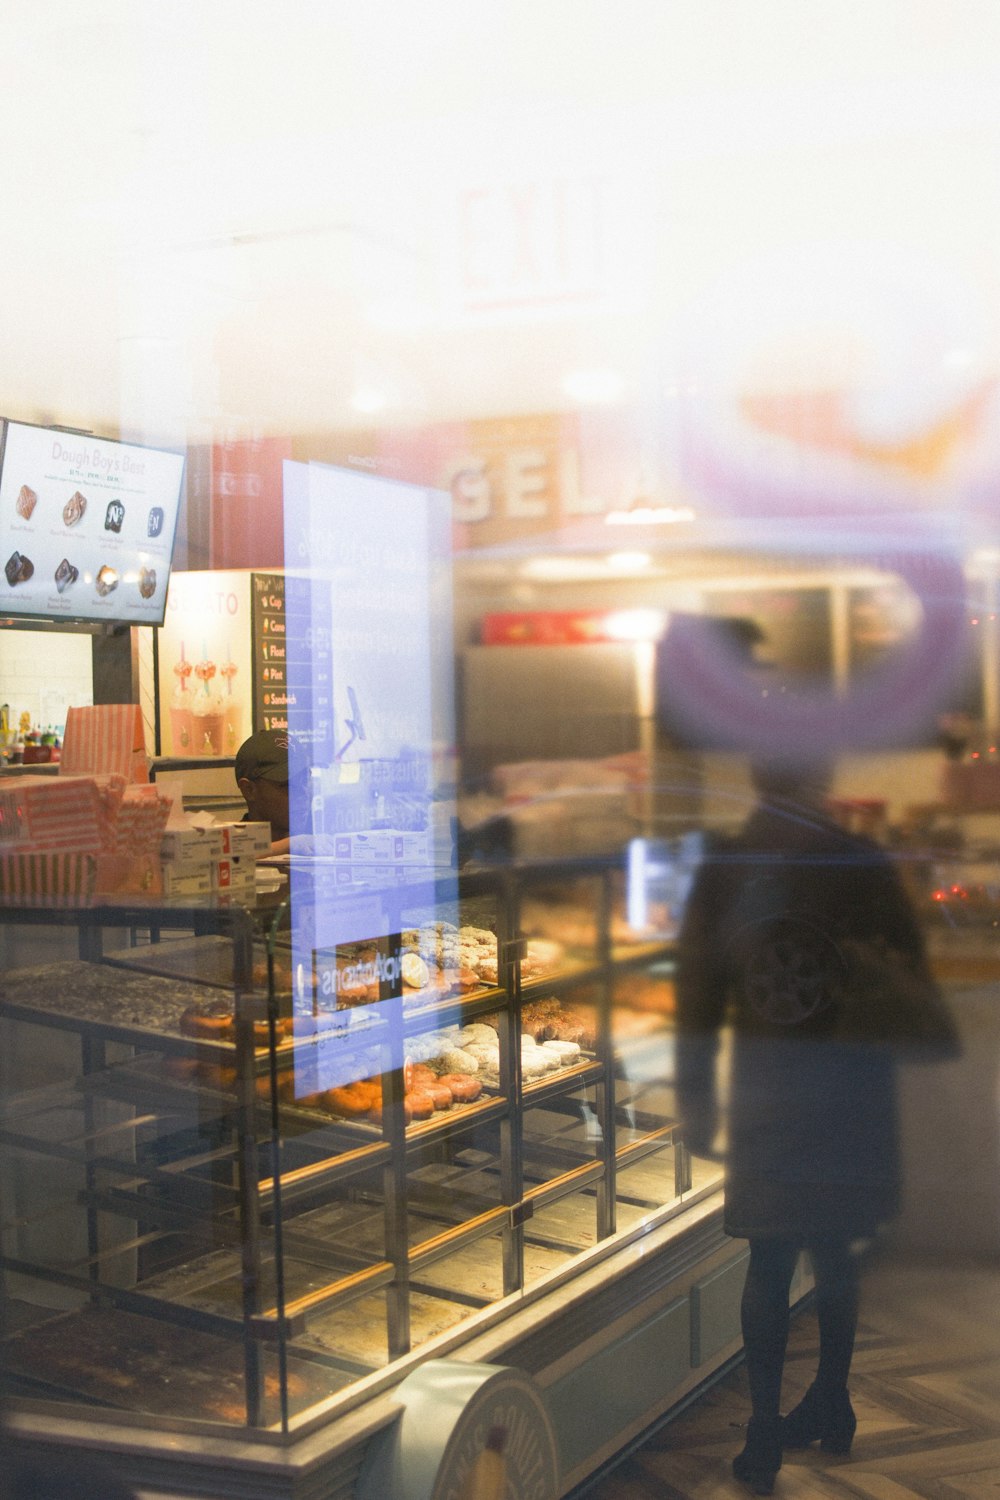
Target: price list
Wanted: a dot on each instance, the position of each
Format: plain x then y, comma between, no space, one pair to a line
293,660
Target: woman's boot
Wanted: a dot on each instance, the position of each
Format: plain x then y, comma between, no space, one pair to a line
826,1417
760,1460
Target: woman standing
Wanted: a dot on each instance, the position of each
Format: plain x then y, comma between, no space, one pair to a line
787,927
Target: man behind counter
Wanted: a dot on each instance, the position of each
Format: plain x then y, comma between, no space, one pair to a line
262,775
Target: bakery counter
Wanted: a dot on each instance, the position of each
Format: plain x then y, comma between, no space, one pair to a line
326,1160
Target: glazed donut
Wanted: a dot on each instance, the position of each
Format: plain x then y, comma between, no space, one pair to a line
441,1094
213,1023
422,1078
421,1105
377,1111
462,1087
350,1101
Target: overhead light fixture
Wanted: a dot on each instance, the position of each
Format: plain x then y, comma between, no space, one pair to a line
636,624
650,515
367,401
560,569
629,562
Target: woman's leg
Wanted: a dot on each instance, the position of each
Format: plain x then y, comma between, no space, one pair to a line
825,1411
836,1274
764,1317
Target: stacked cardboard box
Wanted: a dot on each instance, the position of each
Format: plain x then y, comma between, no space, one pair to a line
71,839
219,859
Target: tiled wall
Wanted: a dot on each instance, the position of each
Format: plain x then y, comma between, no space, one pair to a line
44,674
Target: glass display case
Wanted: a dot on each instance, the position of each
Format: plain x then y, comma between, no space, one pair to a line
252,1163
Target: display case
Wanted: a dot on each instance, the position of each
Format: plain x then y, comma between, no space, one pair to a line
255,1166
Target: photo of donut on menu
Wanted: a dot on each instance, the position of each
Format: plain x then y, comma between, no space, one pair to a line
26,502
106,581
18,568
74,508
65,575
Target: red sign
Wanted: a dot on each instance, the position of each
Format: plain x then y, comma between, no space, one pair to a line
580,627
248,528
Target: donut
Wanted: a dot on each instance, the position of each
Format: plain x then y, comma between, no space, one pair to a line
478,1032
414,971
441,1094
567,1052
421,1105
352,994
350,1100
463,1088
457,1060
468,979
213,1023
378,1110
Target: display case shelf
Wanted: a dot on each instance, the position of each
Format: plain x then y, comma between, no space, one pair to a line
214,1189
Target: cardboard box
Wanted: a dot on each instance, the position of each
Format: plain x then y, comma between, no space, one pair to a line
186,883
373,848
245,838
107,738
412,848
188,845
61,877
65,812
235,875
384,846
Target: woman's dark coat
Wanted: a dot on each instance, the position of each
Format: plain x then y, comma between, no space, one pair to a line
780,922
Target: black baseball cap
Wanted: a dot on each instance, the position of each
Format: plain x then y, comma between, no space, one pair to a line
265,757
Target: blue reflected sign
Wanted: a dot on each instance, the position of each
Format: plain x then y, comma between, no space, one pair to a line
371,672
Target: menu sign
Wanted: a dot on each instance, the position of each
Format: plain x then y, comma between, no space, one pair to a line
86,526
293,660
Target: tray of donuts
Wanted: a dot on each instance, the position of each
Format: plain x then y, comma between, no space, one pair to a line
212,1021
428,1095
462,959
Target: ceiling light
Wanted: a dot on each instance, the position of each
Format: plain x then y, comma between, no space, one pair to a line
557,569
636,624
650,515
629,562
367,401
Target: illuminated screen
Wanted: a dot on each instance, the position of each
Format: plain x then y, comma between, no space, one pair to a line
369,567
86,527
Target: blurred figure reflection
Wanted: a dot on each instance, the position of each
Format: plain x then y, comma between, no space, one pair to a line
799,936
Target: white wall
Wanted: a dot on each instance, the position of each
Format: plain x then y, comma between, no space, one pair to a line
44,674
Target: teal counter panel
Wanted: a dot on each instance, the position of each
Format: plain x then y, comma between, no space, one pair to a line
715,1309
625,1381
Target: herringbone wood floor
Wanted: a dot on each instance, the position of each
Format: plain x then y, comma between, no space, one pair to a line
925,1386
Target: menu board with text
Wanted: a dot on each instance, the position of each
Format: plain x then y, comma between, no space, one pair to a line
86,526
292,660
